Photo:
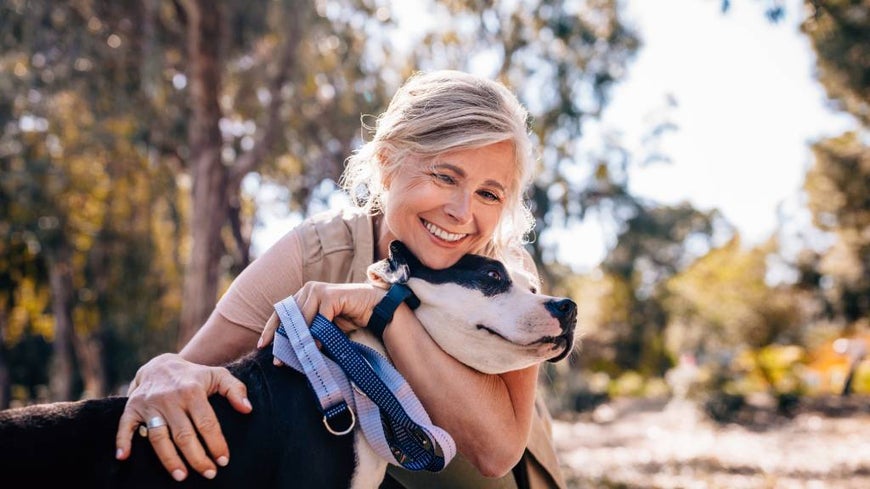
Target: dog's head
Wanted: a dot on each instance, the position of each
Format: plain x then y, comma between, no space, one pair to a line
482,314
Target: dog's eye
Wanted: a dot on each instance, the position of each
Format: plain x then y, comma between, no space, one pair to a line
493,274
533,290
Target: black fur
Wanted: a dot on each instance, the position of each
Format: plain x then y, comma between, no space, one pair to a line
73,444
473,272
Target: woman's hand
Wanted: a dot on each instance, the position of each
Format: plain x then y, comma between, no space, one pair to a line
177,391
349,306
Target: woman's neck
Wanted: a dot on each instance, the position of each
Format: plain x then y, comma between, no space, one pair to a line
383,237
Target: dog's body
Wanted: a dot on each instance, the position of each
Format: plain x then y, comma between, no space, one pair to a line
473,310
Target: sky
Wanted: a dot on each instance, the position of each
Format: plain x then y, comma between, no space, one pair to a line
747,107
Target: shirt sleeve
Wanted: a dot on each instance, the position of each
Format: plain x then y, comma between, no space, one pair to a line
276,274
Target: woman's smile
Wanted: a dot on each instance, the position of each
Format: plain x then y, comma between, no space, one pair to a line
441,233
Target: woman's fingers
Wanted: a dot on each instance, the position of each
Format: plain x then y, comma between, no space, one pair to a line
269,330
175,391
225,384
186,433
344,324
200,422
161,439
209,429
349,303
127,425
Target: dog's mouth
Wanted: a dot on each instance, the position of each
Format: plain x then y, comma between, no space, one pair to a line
493,332
564,342
561,342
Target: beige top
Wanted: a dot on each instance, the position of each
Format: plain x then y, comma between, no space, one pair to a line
338,247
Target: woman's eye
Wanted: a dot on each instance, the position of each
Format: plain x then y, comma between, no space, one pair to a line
441,177
486,194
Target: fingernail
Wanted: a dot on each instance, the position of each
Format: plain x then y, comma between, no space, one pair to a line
247,403
209,474
119,453
223,461
178,475
260,342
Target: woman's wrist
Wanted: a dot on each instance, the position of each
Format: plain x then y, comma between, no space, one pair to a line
383,312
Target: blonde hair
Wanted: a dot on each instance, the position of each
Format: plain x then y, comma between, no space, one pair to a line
437,112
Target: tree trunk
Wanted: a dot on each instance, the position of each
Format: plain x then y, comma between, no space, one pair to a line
90,352
62,371
214,183
209,199
5,375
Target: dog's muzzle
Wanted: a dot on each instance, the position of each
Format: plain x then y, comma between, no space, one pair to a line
565,310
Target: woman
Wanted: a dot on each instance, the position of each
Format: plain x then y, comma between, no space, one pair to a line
444,173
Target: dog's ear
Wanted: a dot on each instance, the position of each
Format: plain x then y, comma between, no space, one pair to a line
393,270
400,255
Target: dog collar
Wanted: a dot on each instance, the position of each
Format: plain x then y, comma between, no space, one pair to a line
383,312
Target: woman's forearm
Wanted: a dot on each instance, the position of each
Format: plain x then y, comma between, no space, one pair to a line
489,416
219,342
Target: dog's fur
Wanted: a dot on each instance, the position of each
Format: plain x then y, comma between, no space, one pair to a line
475,310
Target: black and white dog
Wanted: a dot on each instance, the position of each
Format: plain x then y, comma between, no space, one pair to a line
477,311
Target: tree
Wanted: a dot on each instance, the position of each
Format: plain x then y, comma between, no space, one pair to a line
654,245
838,190
216,178
723,302
98,156
81,178
838,184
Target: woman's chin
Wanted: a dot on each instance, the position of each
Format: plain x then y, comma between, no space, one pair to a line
439,262
438,254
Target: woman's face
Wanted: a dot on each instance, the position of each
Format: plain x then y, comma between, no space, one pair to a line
445,207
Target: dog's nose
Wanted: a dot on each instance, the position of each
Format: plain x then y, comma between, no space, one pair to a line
565,310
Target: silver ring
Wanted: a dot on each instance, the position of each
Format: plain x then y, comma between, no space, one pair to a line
156,422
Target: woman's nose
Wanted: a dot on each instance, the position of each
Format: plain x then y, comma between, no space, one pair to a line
459,207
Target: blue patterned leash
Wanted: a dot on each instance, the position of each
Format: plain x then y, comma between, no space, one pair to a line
391,417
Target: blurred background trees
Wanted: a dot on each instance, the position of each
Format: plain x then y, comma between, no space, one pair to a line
136,137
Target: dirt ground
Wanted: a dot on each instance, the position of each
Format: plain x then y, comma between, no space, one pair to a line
635,444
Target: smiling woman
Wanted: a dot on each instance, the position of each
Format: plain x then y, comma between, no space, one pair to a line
444,174
448,122
449,208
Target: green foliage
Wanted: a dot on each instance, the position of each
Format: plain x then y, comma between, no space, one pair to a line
838,190
840,34
723,301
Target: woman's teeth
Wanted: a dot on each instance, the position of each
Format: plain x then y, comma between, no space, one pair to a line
442,233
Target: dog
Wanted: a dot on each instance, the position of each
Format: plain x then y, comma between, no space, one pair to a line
478,312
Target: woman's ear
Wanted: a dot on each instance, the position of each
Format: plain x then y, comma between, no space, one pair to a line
383,161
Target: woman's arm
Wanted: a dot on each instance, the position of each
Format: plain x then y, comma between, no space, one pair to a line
489,416
177,387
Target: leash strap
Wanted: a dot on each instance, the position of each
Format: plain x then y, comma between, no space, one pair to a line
411,441
391,417
295,347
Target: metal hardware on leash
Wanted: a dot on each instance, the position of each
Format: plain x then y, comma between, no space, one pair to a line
354,377
335,432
